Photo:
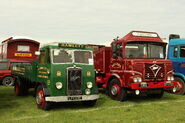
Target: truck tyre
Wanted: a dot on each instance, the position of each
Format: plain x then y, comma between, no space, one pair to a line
116,92
8,81
89,103
20,88
180,86
40,99
157,96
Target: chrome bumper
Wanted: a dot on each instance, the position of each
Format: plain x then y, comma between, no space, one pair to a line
71,98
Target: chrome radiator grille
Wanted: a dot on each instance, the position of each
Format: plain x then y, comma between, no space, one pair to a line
74,81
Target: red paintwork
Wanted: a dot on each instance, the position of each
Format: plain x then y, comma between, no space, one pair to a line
102,64
8,51
11,45
124,69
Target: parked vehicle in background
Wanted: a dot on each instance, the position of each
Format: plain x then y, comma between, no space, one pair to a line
15,50
62,73
176,53
6,76
134,64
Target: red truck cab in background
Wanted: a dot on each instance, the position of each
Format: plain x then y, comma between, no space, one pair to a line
135,63
15,50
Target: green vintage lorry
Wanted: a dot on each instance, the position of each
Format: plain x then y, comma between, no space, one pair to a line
62,73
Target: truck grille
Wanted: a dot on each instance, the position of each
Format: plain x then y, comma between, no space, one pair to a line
74,81
154,71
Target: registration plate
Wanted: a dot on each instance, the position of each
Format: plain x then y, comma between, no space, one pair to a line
74,98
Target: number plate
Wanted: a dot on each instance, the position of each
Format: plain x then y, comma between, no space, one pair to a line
74,98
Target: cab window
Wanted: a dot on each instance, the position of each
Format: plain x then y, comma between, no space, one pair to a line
42,57
3,65
175,52
182,51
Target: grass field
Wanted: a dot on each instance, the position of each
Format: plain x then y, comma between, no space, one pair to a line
138,109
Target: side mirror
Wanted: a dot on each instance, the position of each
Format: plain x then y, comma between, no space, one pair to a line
114,55
114,48
37,53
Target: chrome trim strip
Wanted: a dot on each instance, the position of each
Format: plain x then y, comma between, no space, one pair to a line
65,98
126,71
170,72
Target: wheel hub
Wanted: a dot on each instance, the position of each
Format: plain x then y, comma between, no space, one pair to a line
8,81
114,90
39,98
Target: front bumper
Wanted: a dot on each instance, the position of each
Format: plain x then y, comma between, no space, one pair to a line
153,85
71,98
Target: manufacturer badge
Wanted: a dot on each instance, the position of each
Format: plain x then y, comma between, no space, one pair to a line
155,69
88,73
59,73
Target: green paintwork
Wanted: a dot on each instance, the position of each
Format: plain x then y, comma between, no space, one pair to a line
47,73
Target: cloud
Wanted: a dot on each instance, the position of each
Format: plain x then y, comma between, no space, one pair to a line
87,21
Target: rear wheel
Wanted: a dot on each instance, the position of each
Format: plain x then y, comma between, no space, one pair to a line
180,86
40,99
8,81
116,92
20,88
89,103
158,95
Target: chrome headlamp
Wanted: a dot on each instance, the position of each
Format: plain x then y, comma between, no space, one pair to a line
89,85
137,79
58,85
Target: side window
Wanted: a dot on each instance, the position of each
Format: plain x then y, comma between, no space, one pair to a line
42,57
48,57
182,51
175,52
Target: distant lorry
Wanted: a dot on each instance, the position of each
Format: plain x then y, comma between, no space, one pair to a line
176,53
133,64
6,76
62,73
15,50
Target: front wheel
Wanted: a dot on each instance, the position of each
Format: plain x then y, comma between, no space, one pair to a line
89,103
8,81
180,86
116,92
40,99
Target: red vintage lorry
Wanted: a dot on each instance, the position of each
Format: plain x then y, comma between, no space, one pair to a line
15,50
136,64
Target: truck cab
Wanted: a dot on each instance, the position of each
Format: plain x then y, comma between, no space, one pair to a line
62,73
176,53
137,63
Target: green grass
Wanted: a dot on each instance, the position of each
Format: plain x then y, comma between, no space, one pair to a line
138,109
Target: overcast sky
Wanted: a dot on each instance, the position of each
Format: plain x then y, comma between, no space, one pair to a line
89,21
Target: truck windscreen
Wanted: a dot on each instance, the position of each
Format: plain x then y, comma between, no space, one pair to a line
83,57
145,50
62,56
72,56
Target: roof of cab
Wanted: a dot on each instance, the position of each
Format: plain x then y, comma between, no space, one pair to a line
177,41
18,38
143,36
